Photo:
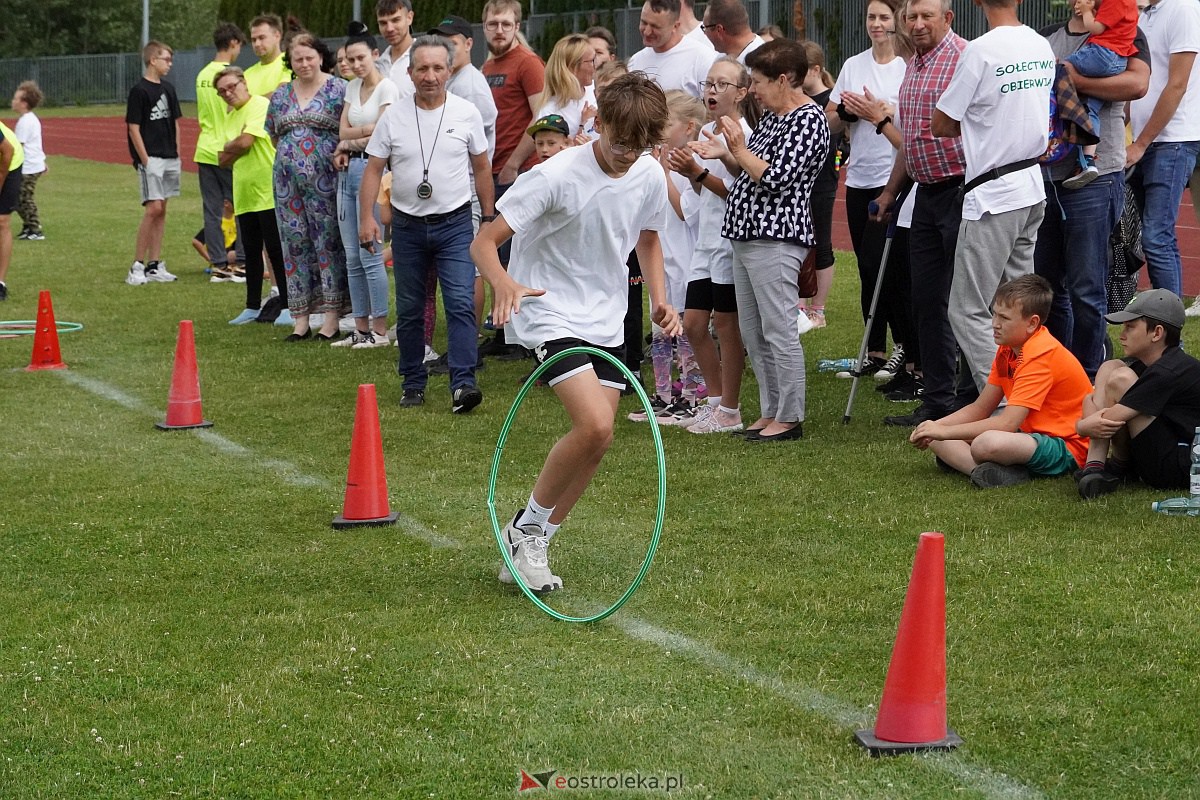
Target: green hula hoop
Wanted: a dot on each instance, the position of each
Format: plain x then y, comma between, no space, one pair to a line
28,327
662,482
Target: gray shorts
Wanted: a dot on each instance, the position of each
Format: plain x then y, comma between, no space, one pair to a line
159,179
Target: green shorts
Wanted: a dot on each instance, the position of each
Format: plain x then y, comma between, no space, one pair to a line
1051,457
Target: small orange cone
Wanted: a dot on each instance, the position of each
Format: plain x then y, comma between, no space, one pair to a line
45,337
183,401
366,501
912,713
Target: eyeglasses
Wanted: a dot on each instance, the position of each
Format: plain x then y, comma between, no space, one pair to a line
710,26
720,87
624,150
499,25
228,89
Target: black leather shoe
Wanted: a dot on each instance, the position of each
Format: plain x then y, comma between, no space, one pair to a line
796,432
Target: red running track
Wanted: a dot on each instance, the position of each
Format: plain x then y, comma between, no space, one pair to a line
103,139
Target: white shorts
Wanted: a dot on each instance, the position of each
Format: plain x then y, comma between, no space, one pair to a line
159,179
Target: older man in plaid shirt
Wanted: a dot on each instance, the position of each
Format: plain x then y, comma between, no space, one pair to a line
937,166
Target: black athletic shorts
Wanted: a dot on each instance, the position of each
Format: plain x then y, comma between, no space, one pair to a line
609,374
10,192
1159,458
704,295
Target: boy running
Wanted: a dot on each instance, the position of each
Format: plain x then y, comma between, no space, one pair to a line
573,222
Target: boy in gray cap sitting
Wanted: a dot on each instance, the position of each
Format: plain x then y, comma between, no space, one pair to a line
1145,409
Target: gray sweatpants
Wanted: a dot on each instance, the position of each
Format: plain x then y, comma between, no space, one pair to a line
991,250
765,279
216,186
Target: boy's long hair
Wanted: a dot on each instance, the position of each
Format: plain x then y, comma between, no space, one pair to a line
633,111
1031,294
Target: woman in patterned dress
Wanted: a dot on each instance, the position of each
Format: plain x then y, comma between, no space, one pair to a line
768,221
303,121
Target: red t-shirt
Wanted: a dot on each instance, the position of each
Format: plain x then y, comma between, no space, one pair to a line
1046,379
514,77
1120,18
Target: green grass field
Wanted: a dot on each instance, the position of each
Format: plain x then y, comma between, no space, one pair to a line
180,620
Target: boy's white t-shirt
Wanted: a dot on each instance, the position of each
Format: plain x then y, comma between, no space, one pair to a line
571,111
713,254
679,239
1171,26
29,133
684,66
1000,93
574,229
447,152
364,112
872,154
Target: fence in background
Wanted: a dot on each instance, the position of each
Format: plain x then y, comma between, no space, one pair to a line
834,24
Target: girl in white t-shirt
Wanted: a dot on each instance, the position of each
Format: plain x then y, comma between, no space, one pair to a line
710,292
367,98
871,80
686,115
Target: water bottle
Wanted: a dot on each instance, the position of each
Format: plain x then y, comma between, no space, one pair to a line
1178,506
835,364
1194,479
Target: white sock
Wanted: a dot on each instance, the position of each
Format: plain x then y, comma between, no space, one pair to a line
550,529
535,513
730,411
714,401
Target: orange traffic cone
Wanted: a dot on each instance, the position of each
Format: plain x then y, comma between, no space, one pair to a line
45,337
912,713
183,401
366,501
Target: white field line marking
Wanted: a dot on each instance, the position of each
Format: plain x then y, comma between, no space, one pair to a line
287,472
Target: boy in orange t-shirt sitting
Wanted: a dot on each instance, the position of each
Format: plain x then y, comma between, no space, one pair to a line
1044,386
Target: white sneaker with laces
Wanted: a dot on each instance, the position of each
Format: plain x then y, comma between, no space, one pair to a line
159,274
349,341
527,548
1194,309
679,414
718,422
803,321
137,274
371,340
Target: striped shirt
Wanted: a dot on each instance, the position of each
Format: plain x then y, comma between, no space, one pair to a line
777,206
930,159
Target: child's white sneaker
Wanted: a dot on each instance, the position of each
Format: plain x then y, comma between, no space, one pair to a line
527,547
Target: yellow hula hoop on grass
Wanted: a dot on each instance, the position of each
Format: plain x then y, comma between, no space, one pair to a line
662,482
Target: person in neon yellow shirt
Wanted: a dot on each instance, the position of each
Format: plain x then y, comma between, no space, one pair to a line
249,151
12,156
266,33
216,183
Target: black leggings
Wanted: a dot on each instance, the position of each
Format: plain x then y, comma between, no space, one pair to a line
868,238
258,229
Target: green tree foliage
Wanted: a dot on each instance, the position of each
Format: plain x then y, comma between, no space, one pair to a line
30,28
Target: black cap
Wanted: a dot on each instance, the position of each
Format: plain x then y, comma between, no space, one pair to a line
451,25
1160,305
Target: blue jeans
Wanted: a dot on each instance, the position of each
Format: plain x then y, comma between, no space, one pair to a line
1096,61
364,270
446,245
1157,182
1073,253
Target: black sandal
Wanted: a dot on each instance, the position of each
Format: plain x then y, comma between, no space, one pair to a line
299,337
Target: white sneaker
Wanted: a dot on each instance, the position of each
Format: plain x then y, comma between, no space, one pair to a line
431,355
350,341
371,340
718,422
159,274
137,274
1194,309
527,547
